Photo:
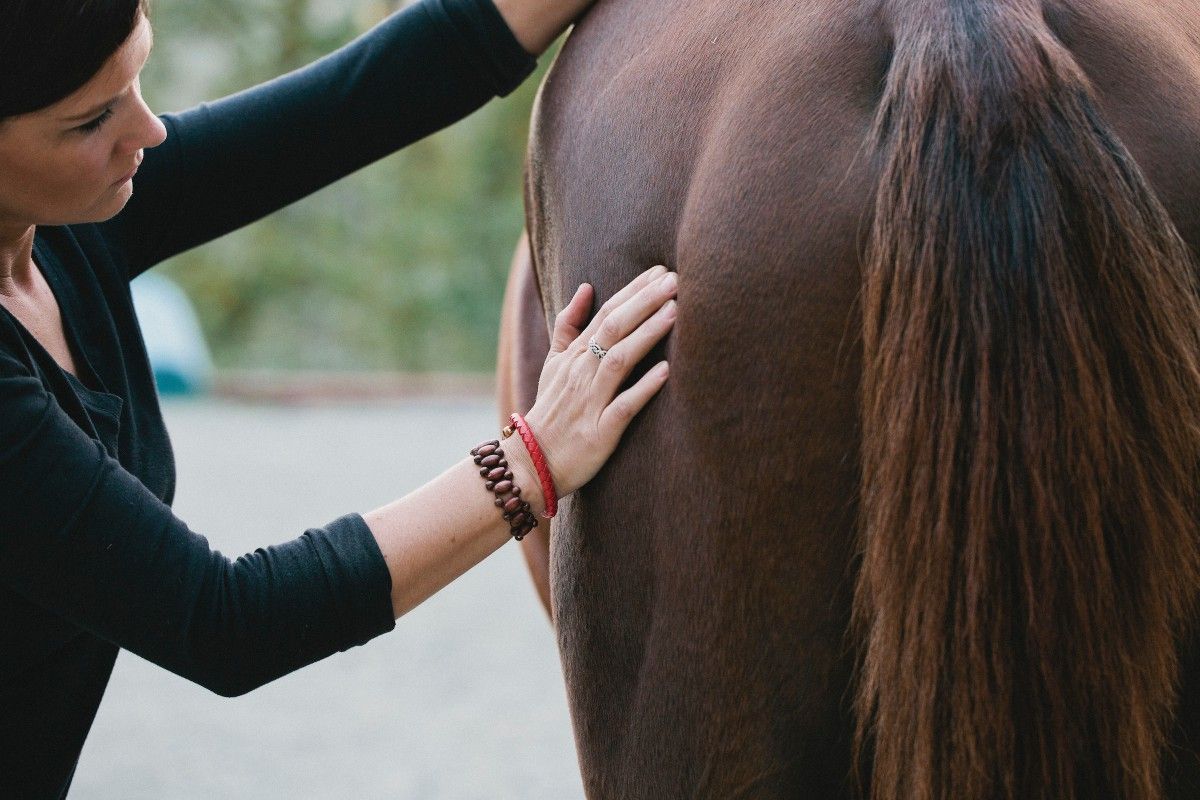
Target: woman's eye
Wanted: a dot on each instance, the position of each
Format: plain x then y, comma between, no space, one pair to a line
95,125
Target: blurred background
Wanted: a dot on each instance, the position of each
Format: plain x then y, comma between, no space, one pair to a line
399,267
374,307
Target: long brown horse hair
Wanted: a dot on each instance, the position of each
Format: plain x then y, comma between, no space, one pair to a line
1031,428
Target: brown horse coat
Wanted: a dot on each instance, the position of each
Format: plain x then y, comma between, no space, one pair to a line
703,583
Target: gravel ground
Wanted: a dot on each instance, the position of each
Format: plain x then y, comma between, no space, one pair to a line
464,700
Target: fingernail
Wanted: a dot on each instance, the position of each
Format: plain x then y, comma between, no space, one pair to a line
670,282
663,369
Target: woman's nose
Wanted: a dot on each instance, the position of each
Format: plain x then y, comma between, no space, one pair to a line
145,131
156,132
153,132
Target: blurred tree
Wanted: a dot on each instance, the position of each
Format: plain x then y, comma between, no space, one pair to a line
401,266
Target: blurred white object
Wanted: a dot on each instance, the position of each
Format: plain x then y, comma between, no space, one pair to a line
178,353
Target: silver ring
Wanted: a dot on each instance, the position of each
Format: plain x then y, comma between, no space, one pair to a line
595,348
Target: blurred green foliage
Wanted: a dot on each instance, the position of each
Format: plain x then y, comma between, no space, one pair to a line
399,267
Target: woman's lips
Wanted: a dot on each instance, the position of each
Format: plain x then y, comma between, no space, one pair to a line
127,178
129,175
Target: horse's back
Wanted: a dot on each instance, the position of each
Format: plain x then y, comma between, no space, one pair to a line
702,583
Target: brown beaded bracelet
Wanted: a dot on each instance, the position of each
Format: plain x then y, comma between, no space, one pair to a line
489,457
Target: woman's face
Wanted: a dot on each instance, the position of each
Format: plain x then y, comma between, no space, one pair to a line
73,162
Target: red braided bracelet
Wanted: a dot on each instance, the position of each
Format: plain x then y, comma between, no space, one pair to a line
539,463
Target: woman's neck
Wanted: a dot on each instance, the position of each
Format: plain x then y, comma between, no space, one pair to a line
16,259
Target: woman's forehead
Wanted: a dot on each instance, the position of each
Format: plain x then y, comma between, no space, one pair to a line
117,74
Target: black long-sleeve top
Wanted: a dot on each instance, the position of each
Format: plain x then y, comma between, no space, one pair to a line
91,557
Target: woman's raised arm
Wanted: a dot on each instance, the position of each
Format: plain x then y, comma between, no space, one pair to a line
537,23
228,163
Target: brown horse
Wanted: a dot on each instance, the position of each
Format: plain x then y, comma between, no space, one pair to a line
923,484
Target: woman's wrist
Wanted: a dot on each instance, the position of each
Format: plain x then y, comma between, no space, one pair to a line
537,23
524,473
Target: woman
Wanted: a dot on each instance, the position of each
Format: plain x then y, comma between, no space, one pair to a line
91,557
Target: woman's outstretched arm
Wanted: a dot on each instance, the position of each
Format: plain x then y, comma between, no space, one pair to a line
440,531
82,538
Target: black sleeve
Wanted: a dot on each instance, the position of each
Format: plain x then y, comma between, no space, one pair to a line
229,163
84,539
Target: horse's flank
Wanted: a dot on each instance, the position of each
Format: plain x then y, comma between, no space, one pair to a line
703,584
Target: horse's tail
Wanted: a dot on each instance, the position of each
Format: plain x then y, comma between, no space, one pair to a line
1031,429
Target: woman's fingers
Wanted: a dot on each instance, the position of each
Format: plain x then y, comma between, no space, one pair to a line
624,319
629,403
617,300
635,286
570,321
622,357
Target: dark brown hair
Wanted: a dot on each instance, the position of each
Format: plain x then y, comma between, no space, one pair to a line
1031,411
51,48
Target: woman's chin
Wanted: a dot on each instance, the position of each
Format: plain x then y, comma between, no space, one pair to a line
114,203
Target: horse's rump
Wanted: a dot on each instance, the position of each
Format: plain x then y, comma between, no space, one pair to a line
703,582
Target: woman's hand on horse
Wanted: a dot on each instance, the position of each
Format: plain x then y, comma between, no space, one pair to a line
579,416
537,23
